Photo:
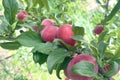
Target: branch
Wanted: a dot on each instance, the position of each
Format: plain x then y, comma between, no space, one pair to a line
7,57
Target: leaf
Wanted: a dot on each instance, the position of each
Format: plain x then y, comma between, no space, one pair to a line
39,57
58,71
87,50
41,3
4,26
101,37
10,45
113,70
113,12
45,48
78,30
29,3
56,57
84,69
78,38
62,66
29,39
98,2
2,38
94,50
46,5
108,55
10,10
118,61
117,54
34,3
102,47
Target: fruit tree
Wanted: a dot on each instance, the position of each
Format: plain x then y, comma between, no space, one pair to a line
84,43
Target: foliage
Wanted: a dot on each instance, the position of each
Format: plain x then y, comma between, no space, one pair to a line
22,67
63,12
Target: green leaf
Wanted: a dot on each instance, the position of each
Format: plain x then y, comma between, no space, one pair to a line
34,2
101,37
113,70
87,50
29,3
84,69
102,47
78,38
98,2
113,12
39,57
45,3
29,39
78,31
10,10
2,38
40,3
117,54
108,55
58,71
10,45
118,61
62,66
56,57
45,48
94,50
4,26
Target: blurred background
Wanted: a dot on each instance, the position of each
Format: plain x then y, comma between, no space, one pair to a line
19,64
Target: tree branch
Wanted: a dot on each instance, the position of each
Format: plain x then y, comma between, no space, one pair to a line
7,57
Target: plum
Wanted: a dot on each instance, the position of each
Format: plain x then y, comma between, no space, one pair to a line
81,57
108,67
65,32
35,28
98,29
47,22
22,15
49,33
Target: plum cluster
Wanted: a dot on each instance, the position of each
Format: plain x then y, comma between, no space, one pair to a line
50,32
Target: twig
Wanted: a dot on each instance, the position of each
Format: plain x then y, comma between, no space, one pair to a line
7,57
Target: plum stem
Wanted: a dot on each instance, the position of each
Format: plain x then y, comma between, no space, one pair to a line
102,71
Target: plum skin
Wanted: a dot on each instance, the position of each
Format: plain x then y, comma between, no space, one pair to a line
65,33
22,15
108,67
49,33
35,28
98,29
80,58
47,22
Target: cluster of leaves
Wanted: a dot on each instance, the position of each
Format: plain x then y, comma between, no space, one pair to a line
58,54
